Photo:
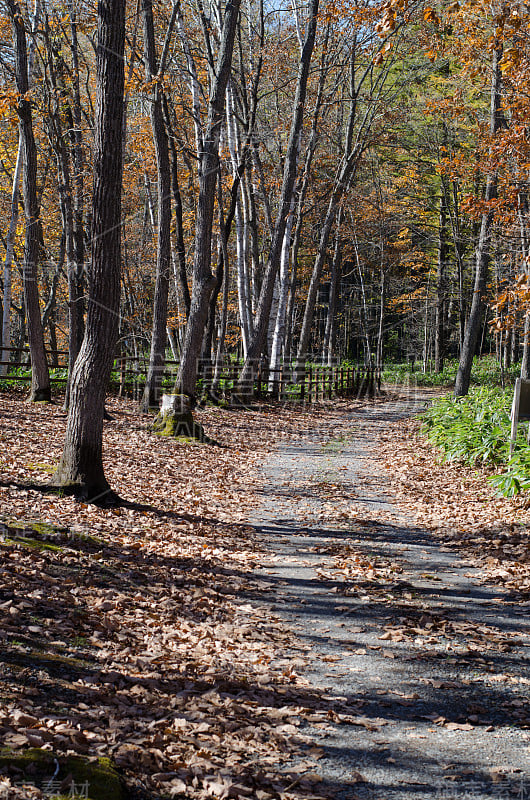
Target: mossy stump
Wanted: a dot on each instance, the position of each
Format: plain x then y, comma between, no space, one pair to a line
175,419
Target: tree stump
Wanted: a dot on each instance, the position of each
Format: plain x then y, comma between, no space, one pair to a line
175,418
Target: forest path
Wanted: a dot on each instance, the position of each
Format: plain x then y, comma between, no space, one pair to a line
418,675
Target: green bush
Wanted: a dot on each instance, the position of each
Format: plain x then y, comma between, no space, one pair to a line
475,430
486,372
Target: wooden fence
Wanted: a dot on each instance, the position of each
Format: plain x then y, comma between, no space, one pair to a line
312,384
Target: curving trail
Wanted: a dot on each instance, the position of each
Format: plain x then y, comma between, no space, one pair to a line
417,677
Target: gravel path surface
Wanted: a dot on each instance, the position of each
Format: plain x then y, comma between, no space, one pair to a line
417,676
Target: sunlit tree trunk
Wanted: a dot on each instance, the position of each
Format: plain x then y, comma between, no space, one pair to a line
8,263
203,279
76,278
58,139
240,219
278,337
482,255
328,348
257,344
14,215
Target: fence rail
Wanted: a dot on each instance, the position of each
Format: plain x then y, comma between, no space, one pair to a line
312,383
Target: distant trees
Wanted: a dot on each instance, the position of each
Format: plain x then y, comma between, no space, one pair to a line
300,183
40,378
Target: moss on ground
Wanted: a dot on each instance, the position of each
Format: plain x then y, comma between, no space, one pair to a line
42,535
93,779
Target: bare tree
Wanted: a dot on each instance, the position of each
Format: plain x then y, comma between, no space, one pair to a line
203,279
261,324
40,377
153,74
482,256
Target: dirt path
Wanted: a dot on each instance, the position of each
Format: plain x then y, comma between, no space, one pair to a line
417,676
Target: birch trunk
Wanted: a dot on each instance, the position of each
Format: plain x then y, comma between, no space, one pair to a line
278,338
328,349
240,218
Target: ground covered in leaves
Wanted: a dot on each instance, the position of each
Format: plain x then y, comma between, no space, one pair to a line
458,504
142,633
129,632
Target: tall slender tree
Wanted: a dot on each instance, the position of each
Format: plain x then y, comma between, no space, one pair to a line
40,376
482,256
261,325
153,74
203,279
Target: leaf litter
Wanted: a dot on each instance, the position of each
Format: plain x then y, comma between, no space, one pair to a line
131,632
137,632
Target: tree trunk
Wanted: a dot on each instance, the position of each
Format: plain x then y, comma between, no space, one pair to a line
379,353
179,223
278,338
328,349
220,270
474,321
203,280
40,378
289,176
81,465
241,218
57,138
223,228
8,262
157,355
13,219
316,274
439,324
76,293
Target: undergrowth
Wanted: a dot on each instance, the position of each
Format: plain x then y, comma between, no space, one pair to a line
475,430
486,371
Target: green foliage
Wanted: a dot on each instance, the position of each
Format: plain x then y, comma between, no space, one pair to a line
475,430
486,372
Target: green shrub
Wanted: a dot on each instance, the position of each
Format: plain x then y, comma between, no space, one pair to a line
486,372
475,430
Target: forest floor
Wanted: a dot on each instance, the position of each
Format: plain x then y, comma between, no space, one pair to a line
315,608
